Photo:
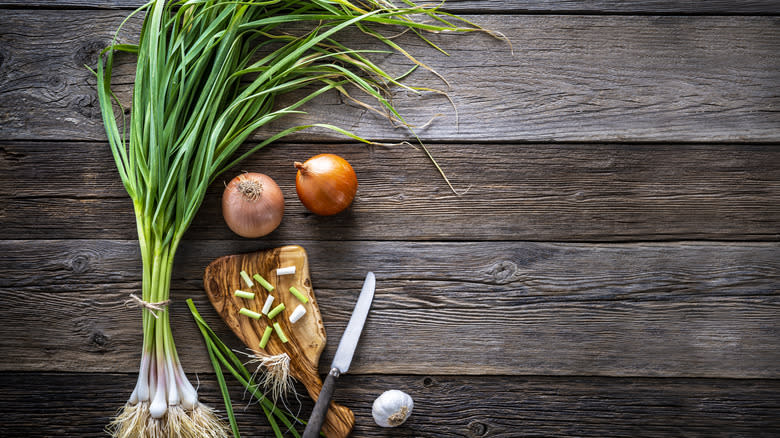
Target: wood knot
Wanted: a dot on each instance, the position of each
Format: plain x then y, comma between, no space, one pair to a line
87,105
99,339
87,53
477,429
80,263
503,272
56,83
99,342
428,382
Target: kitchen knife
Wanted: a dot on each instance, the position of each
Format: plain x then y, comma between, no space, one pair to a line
343,356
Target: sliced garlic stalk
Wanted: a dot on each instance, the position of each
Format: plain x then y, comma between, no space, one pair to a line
267,306
297,313
287,270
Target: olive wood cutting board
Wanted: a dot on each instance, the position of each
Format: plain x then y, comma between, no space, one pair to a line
306,338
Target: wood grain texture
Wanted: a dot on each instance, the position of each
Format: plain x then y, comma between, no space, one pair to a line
552,192
756,7
35,405
306,338
571,78
676,309
613,269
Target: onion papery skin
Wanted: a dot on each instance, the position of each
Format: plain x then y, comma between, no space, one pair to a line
252,205
326,184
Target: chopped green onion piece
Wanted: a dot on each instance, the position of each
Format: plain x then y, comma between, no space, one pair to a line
266,337
246,278
268,286
243,294
288,270
277,310
280,333
301,297
267,305
246,312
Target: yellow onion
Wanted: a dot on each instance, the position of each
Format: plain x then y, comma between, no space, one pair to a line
252,205
326,184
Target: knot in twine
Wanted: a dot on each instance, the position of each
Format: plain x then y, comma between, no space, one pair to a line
153,308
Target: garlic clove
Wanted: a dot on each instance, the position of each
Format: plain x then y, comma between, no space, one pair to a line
392,408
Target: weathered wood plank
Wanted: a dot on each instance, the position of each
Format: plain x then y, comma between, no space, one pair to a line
743,7
610,6
559,192
571,78
682,309
445,406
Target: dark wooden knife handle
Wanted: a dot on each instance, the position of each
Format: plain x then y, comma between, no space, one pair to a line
321,407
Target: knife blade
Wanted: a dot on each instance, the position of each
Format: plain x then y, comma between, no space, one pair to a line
343,357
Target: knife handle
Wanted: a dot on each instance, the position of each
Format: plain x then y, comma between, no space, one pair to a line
321,407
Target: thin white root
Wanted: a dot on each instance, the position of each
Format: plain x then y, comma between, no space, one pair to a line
130,422
135,421
275,374
181,424
173,420
155,428
206,423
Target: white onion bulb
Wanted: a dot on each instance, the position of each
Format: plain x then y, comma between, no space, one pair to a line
392,408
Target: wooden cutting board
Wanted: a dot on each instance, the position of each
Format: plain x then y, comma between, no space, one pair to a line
306,337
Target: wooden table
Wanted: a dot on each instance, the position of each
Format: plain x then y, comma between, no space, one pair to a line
612,270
